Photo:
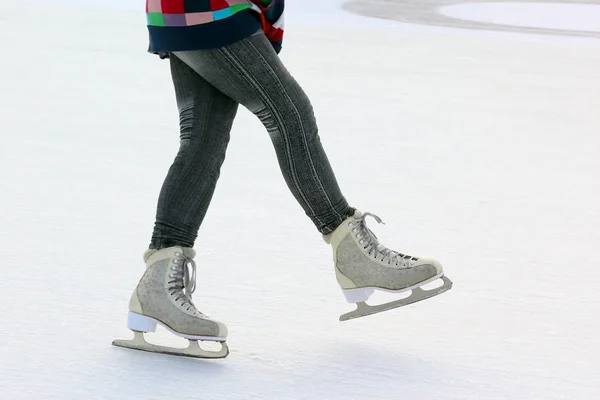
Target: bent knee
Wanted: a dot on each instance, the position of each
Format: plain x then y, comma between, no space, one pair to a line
186,122
296,117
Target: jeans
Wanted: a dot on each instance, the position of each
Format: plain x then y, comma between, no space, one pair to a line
209,85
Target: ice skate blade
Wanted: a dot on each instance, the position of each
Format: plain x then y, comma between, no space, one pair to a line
418,294
193,350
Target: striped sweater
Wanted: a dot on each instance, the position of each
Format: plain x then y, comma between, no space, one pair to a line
181,25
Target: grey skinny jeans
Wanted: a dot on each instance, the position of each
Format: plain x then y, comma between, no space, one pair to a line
209,85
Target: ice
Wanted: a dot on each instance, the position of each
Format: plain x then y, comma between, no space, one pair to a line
481,150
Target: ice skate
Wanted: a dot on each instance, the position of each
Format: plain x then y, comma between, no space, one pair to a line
363,265
163,297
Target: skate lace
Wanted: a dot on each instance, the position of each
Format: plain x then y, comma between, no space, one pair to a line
183,283
375,249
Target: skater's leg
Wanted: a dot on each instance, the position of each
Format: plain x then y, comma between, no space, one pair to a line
206,117
251,73
164,293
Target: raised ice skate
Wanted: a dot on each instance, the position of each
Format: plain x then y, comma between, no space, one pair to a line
164,297
363,265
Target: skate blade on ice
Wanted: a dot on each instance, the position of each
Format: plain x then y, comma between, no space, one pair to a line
141,324
193,350
363,309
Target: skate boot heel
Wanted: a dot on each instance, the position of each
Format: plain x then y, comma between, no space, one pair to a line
140,323
358,295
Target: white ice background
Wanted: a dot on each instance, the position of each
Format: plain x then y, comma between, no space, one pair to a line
481,150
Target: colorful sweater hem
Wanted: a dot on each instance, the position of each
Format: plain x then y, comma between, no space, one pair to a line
183,25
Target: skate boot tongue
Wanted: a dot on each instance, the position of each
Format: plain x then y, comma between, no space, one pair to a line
153,255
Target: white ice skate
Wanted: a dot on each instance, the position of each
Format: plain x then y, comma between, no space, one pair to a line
163,297
363,265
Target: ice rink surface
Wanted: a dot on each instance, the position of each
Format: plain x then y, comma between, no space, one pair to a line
476,146
580,18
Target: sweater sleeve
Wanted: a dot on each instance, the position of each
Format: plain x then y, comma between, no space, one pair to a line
272,20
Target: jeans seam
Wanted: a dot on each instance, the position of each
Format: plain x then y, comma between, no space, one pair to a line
304,138
269,104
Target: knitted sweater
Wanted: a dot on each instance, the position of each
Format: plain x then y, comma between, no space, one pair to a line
182,25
